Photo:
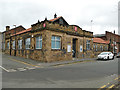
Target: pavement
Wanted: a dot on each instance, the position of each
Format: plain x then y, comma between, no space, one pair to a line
44,64
59,73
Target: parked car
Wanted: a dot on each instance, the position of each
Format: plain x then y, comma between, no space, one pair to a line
106,55
118,55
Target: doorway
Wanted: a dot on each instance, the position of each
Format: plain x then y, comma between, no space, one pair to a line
74,47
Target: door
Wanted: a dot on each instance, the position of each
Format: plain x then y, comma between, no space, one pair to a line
74,48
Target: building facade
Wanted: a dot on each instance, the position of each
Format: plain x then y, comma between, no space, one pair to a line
0,41
3,41
51,40
114,39
100,45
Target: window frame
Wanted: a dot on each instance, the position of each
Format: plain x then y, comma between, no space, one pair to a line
8,45
27,43
40,41
96,47
55,40
13,44
87,45
20,44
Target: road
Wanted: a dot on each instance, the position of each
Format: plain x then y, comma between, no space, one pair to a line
95,74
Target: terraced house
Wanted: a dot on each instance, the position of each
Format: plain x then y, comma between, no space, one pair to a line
51,40
100,45
114,41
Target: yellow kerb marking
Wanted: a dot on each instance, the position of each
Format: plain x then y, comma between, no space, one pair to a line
24,63
116,78
103,86
111,86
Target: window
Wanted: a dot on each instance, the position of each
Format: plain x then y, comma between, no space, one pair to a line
61,21
96,47
7,45
88,45
55,42
27,43
13,45
39,42
102,48
106,48
19,44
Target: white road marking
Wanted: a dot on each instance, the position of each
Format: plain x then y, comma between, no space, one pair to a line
30,68
4,69
18,69
21,69
12,70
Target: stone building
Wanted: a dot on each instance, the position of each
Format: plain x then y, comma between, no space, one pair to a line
114,39
100,45
51,40
0,41
3,41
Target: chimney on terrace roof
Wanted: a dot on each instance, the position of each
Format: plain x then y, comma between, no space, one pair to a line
55,16
7,28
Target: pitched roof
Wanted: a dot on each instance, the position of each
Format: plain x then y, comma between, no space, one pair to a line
99,40
52,20
29,29
99,35
18,27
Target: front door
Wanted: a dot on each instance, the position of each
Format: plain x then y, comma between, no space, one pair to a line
74,48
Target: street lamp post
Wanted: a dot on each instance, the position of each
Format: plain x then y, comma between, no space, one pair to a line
91,24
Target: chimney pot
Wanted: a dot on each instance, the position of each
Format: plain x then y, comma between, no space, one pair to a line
7,28
55,16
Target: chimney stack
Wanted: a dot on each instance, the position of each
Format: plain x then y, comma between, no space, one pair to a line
55,16
7,28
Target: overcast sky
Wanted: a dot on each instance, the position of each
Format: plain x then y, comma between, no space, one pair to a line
104,13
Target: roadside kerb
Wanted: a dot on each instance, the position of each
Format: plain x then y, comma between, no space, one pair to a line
74,62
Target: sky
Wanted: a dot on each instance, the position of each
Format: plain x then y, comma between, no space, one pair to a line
103,13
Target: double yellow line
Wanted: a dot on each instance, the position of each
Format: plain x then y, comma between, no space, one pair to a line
111,86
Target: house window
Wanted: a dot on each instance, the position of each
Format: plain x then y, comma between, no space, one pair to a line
88,45
55,42
106,48
96,47
13,45
27,43
61,21
102,48
39,42
7,45
19,44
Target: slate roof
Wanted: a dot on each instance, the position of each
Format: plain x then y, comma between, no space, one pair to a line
29,29
52,20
